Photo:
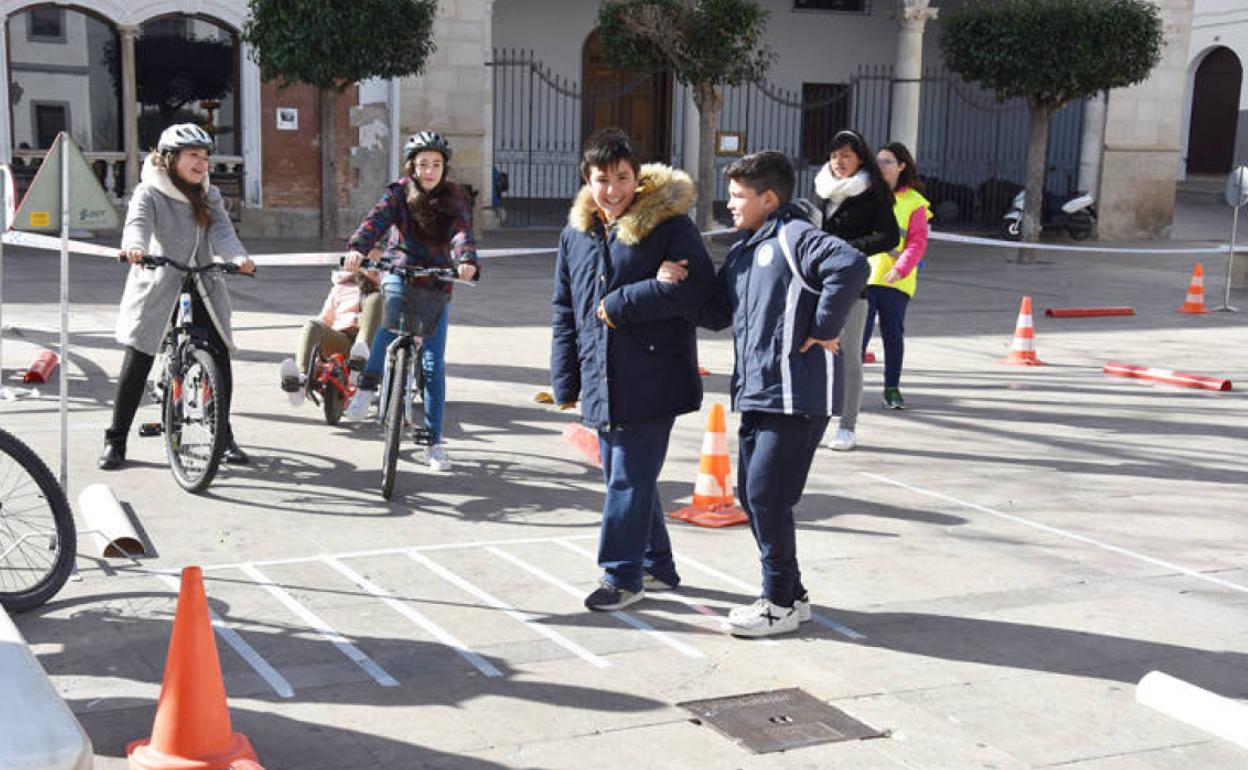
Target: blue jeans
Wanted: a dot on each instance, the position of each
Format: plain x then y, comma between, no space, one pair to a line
634,538
432,361
891,305
775,455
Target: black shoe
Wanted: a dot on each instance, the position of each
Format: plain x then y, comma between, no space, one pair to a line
113,456
233,455
607,597
893,399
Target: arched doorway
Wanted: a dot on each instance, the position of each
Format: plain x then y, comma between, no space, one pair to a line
1215,113
639,104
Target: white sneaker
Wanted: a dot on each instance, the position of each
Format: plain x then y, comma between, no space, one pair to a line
801,604
843,441
358,356
358,408
288,376
762,618
438,459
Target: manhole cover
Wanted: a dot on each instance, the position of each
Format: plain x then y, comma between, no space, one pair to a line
779,720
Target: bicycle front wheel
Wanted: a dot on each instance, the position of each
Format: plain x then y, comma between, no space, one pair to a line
37,537
194,420
395,400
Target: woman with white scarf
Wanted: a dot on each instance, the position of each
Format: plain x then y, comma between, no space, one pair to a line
857,207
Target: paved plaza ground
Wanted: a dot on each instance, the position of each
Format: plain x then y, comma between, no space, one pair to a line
998,565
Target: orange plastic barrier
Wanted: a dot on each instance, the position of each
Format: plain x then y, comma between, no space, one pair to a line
1168,376
1087,312
585,441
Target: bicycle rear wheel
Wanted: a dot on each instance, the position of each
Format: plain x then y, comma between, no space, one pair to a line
37,536
331,402
395,400
194,425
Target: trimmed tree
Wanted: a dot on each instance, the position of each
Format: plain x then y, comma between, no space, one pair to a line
1051,52
329,46
705,44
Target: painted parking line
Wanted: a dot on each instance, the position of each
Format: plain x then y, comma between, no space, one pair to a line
526,618
391,551
352,652
694,604
741,585
411,613
620,615
240,645
1127,552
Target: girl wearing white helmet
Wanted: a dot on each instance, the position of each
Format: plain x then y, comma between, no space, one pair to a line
432,222
175,213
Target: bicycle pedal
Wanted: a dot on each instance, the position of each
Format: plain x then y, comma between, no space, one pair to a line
422,437
151,429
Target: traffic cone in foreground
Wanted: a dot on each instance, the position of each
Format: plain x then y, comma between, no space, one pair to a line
1195,300
713,504
1023,349
192,728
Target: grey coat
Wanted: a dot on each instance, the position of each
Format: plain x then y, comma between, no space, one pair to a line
159,222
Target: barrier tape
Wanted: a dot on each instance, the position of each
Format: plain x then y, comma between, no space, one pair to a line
310,259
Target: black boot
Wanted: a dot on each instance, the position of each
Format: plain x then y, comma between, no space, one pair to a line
113,456
233,455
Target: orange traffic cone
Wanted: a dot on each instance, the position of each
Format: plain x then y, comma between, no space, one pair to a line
1195,300
1023,349
42,368
713,504
192,726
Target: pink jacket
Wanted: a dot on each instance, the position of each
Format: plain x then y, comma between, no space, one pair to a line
342,307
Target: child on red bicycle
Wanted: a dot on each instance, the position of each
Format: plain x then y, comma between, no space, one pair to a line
346,325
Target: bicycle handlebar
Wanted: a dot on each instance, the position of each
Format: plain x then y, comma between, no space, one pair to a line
152,262
446,274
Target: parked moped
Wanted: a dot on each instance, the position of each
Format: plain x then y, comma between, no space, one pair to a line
1076,216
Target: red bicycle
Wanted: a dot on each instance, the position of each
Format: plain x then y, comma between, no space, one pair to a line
330,381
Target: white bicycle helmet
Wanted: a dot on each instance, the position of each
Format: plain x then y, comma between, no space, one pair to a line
182,136
426,140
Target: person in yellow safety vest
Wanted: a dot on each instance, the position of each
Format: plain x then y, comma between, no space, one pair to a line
894,273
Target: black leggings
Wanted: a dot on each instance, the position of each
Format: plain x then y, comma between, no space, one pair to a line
137,366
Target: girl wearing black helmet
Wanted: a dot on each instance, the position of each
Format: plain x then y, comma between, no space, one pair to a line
432,223
175,213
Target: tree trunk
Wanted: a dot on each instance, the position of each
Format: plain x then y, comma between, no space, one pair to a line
1037,150
329,166
708,100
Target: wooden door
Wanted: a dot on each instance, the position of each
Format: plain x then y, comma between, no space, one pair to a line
640,104
1215,113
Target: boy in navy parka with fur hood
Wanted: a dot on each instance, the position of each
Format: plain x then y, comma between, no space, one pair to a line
625,346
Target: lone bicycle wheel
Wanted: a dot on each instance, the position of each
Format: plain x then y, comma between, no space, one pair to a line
194,423
395,400
37,537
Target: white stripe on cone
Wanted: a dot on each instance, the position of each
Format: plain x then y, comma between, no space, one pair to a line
715,444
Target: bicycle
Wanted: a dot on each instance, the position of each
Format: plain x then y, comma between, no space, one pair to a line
187,387
330,382
37,535
402,383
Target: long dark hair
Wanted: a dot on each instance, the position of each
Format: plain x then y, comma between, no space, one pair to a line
434,210
194,193
909,175
855,142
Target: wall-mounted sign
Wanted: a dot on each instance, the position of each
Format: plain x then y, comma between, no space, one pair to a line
287,119
729,143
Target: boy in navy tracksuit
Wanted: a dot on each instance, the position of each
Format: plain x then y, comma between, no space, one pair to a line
785,288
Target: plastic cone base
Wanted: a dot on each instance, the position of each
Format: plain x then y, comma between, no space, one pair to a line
144,757
1023,361
713,518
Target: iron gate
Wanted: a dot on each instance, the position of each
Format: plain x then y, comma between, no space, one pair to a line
972,149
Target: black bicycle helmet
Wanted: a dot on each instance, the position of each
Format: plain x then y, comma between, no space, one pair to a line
182,136
426,140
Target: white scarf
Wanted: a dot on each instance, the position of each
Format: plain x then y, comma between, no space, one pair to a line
835,190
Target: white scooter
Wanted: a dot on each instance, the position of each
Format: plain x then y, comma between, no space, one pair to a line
1077,216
